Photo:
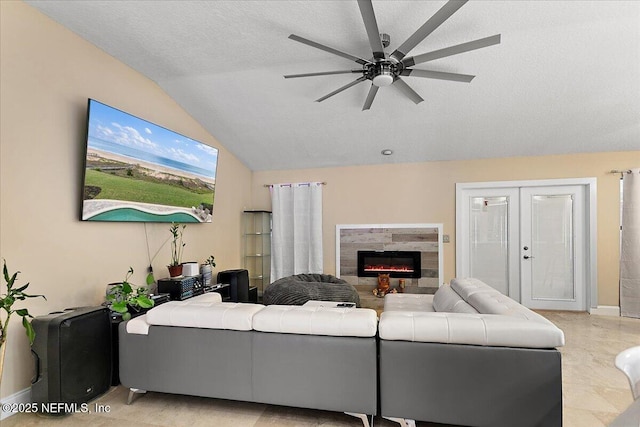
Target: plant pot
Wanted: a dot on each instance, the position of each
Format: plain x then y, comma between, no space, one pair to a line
175,270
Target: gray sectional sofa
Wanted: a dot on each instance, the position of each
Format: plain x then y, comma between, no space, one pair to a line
303,356
467,355
470,356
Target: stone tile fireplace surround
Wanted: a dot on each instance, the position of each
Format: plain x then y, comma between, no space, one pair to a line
425,238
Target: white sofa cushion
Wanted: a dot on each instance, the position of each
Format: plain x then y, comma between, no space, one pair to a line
465,287
209,315
139,325
474,329
488,300
408,302
497,303
313,320
448,300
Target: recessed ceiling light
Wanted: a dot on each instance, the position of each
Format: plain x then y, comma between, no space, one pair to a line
386,152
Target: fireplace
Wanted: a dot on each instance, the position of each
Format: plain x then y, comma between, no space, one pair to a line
404,264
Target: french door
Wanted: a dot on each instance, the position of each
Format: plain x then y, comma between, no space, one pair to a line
527,242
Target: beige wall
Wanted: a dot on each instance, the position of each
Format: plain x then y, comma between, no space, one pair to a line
47,73
425,193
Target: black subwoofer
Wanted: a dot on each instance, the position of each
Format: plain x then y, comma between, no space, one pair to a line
72,353
239,281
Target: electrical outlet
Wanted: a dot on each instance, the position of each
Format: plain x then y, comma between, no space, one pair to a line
445,238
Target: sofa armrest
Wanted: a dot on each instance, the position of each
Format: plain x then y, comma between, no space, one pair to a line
467,328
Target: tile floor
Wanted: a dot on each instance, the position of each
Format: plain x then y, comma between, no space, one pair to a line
594,391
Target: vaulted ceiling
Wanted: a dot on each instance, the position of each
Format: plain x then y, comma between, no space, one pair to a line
564,79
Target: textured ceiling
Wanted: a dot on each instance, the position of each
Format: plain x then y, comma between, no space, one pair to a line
565,79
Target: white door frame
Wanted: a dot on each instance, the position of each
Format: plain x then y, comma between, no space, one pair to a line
590,184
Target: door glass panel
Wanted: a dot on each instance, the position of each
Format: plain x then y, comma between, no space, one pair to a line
552,244
489,249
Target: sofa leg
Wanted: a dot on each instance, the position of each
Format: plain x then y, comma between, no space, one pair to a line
132,393
363,417
404,422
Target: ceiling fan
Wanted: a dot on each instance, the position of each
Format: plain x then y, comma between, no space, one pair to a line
385,70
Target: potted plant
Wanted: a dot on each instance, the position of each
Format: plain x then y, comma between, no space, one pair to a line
6,303
123,297
177,245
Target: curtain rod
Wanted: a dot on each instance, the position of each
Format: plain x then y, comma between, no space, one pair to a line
620,171
289,185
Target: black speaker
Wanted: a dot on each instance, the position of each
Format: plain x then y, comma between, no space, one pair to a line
72,352
239,281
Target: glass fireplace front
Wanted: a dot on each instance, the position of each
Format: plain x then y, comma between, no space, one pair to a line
401,264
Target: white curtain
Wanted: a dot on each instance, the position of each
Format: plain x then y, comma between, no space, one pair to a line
630,245
296,242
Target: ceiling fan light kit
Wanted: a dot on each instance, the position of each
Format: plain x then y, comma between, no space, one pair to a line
386,70
383,74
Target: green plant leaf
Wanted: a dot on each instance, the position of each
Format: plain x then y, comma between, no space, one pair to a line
31,334
22,312
22,288
150,279
120,307
126,316
126,288
4,271
144,301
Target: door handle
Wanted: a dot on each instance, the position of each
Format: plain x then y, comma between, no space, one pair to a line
527,257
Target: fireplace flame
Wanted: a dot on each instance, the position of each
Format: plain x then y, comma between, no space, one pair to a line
383,268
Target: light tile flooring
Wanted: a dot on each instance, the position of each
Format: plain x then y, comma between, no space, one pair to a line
594,391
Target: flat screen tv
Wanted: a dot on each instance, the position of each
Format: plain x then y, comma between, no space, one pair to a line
141,172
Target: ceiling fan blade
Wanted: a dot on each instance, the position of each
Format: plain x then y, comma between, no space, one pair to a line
452,50
370,24
347,86
437,75
406,89
370,97
328,49
428,27
322,73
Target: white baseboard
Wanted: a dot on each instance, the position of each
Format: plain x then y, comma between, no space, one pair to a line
605,310
23,396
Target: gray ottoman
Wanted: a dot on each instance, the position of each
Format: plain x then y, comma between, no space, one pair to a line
298,289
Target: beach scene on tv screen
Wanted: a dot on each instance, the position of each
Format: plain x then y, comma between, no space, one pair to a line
139,171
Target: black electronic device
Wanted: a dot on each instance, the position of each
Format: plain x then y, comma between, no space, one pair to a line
181,288
72,354
239,281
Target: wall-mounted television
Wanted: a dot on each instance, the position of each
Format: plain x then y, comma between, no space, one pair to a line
141,172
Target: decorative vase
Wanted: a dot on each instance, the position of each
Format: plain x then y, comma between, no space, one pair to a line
175,270
207,273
